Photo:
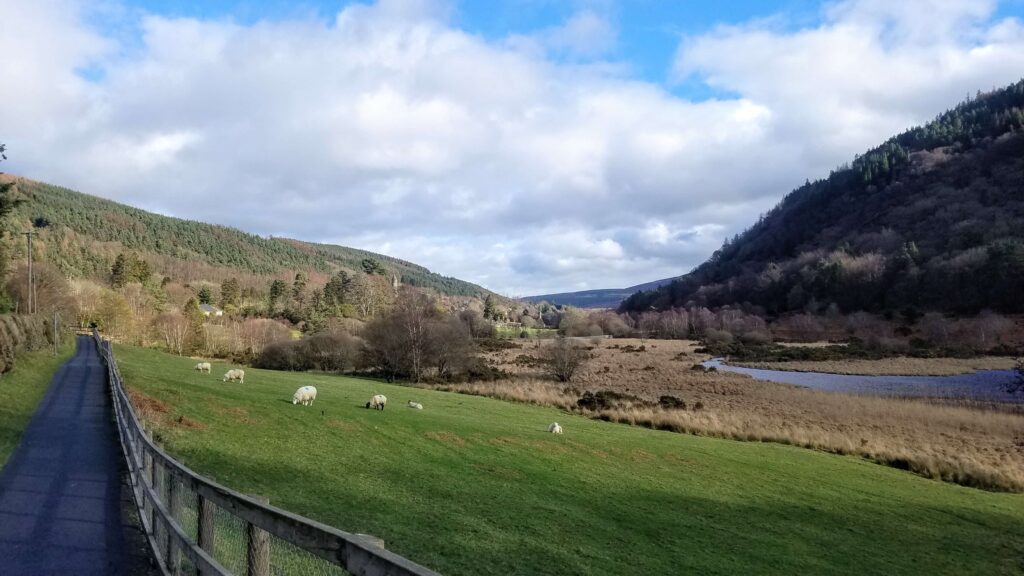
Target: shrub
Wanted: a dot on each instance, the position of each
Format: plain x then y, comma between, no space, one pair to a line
564,358
756,337
326,352
672,403
718,338
608,399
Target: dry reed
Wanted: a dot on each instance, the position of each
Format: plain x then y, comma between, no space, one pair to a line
970,444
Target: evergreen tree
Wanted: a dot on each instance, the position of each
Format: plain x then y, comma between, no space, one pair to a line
299,290
140,270
230,294
337,290
119,272
489,308
8,202
277,290
129,268
371,266
205,295
194,317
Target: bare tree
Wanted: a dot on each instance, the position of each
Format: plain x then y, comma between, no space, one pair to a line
564,358
647,325
257,333
51,292
451,346
172,329
399,342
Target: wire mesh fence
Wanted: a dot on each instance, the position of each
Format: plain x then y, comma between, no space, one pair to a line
287,558
195,526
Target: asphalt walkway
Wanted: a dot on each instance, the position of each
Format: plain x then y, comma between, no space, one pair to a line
60,493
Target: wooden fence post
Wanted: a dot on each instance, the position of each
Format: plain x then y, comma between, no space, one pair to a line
174,489
259,547
147,479
207,515
154,516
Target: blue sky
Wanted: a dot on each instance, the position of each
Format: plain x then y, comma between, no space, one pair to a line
531,146
648,30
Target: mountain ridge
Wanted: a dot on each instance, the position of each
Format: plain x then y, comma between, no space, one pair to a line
931,219
83,233
598,297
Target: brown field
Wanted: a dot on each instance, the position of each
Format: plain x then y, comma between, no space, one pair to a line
901,366
971,445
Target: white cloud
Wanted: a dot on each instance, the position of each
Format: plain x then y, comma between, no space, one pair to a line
871,69
501,162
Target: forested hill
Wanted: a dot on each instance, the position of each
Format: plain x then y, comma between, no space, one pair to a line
599,298
83,234
932,219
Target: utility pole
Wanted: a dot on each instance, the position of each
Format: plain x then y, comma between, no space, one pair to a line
31,284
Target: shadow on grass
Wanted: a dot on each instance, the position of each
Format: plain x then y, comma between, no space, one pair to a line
462,523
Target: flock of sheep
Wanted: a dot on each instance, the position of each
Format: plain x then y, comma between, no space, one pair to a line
307,394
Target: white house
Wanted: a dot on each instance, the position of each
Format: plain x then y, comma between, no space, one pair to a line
209,310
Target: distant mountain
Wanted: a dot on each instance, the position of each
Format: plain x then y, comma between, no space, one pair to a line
83,234
600,298
933,219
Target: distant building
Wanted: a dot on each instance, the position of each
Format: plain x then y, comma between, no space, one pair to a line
209,310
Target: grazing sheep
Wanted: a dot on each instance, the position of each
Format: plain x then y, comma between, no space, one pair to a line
235,375
555,428
306,395
203,367
415,405
377,402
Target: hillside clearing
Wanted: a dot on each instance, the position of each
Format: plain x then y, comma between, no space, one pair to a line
474,485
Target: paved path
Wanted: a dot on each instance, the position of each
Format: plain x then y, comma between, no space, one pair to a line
60,493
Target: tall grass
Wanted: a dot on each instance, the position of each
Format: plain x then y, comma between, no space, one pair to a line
972,444
933,440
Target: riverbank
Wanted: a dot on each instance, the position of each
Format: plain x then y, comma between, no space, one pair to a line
900,366
963,442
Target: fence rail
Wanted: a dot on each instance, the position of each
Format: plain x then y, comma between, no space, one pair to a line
196,526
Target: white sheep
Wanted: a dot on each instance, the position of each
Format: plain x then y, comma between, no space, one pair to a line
306,395
415,405
204,367
377,402
235,375
555,428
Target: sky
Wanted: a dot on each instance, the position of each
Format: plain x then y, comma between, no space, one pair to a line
531,146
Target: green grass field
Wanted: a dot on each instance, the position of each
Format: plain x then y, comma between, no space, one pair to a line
22,388
471,485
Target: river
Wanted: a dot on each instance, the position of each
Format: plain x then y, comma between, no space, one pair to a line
985,385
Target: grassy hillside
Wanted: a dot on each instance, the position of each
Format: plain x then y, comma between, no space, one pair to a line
85,234
21,390
913,222
471,485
